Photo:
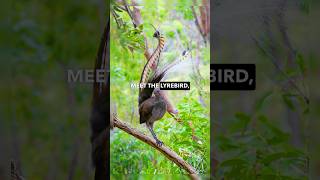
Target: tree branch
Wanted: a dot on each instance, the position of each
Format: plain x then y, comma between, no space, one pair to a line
171,155
197,23
203,20
135,16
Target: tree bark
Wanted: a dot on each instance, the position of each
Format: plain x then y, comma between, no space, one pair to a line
171,155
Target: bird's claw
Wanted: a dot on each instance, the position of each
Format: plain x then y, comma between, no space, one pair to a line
159,143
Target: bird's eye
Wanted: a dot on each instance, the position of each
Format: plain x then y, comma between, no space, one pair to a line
156,34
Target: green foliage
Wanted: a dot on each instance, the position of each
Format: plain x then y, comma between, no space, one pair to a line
260,153
185,8
305,6
190,139
41,40
268,138
256,147
130,38
301,63
287,99
261,102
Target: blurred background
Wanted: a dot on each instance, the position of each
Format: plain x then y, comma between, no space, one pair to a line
44,123
269,133
190,138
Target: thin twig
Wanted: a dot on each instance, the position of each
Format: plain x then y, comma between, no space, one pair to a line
197,23
274,62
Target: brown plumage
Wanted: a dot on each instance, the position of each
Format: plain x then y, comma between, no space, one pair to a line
153,108
153,61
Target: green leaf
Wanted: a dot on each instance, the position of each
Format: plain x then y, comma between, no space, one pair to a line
225,144
305,6
115,7
301,63
281,155
243,120
279,138
306,110
261,101
234,162
288,101
140,27
277,132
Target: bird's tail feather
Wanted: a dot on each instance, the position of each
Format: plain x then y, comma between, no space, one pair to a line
146,93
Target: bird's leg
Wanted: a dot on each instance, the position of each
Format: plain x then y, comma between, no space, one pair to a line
150,127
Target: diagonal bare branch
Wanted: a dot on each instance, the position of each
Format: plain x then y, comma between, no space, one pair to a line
170,154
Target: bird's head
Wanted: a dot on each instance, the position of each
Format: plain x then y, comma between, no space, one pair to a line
156,34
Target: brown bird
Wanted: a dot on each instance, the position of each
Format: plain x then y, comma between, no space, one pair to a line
153,108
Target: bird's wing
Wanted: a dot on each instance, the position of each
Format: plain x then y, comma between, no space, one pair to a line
159,109
145,110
